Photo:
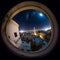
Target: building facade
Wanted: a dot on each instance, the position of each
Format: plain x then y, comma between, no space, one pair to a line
12,32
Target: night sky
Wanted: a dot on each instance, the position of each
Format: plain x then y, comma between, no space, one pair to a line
28,19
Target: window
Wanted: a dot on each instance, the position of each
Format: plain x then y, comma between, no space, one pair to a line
9,37
32,17
15,34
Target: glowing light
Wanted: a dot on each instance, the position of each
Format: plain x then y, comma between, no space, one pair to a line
47,28
35,34
21,31
42,35
41,14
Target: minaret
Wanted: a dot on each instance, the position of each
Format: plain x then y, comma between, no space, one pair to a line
34,31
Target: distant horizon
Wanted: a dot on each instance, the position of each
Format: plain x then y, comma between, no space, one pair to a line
33,30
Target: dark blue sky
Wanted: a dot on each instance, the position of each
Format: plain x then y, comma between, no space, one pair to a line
28,19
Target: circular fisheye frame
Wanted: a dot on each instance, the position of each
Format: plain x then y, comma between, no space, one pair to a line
30,29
